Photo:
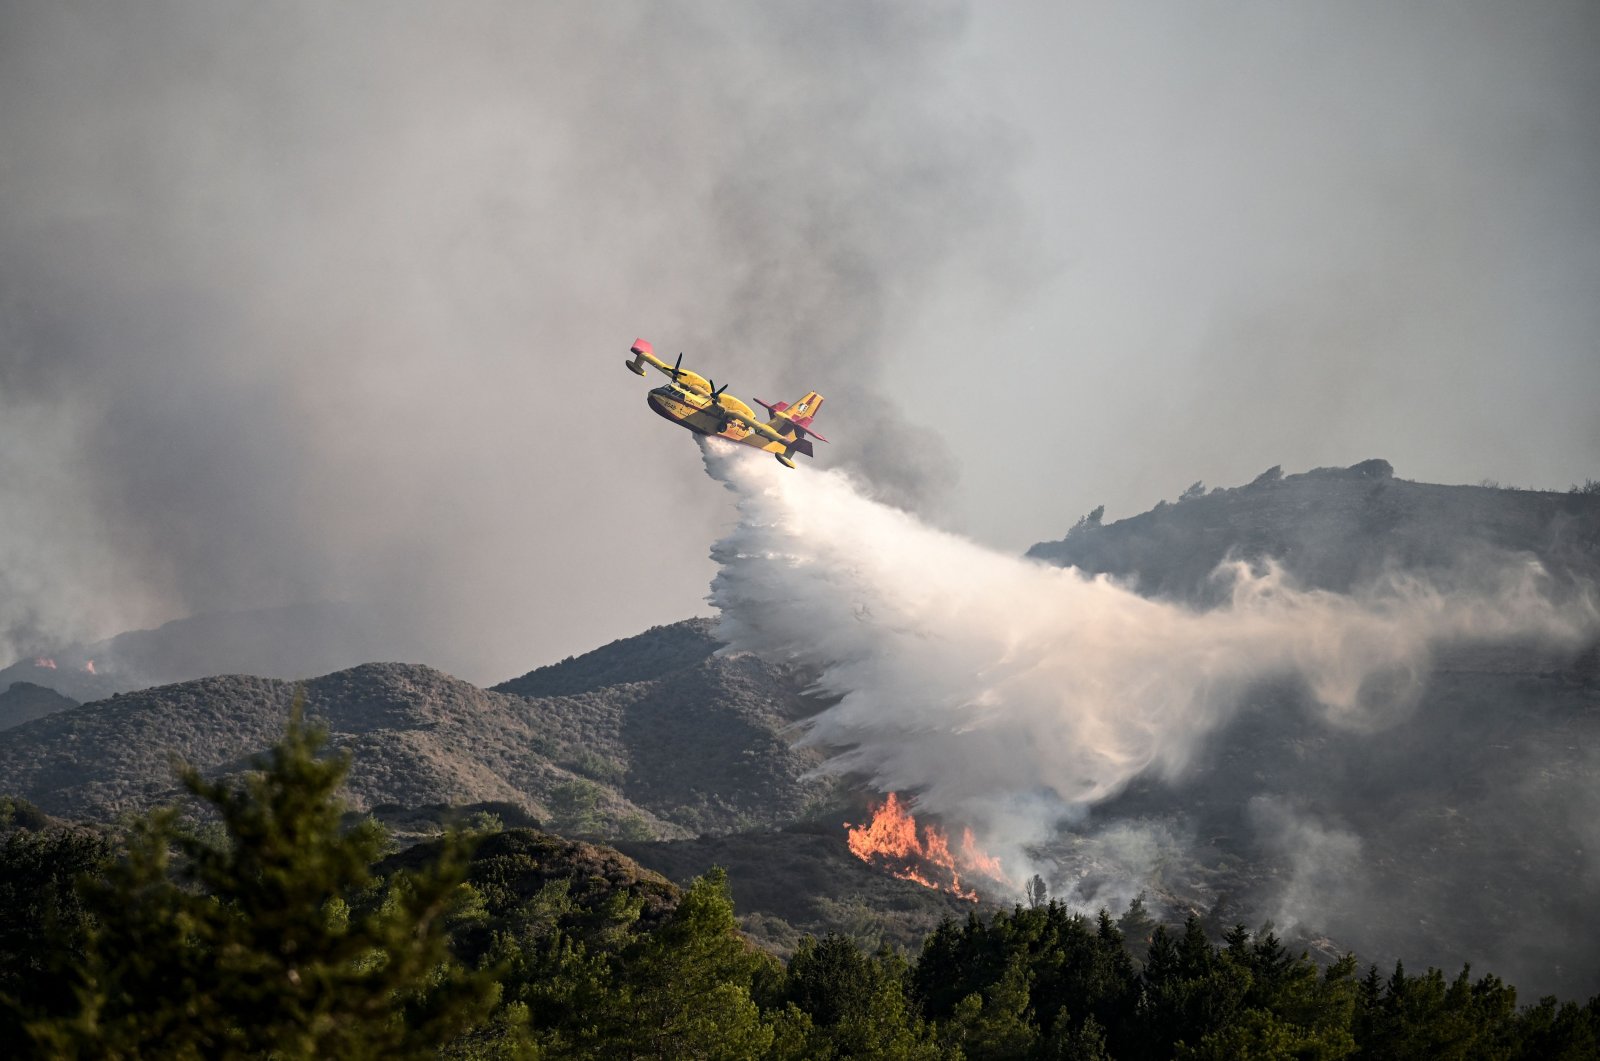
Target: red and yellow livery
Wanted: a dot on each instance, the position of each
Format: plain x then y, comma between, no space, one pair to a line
692,401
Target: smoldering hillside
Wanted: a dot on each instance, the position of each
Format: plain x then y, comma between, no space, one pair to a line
1401,762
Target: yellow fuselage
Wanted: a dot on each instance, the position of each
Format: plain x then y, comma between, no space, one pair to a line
695,411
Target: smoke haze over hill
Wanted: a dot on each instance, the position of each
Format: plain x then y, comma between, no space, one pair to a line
304,302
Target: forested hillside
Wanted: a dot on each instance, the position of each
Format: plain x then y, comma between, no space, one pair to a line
280,934
802,879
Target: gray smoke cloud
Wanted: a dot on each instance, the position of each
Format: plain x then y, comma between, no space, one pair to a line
303,301
1015,697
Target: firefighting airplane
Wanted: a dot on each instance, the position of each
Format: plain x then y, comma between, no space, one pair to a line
695,402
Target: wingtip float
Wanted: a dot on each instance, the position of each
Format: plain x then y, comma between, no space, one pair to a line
692,401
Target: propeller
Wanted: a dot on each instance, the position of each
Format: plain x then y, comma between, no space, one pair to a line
676,365
716,400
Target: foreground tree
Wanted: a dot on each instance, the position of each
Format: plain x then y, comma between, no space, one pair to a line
270,936
685,989
854,1004
43,920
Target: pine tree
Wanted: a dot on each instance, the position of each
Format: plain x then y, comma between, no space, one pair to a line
1082,1042
43,921
1137,928
686,988
1161,963
830,979
996,1025
273,939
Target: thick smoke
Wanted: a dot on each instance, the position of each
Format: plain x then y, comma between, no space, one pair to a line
306,301
1013,696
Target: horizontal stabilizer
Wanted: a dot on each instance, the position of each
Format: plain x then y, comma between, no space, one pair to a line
799,415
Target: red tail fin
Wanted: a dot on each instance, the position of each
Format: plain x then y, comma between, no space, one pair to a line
800,415
802,412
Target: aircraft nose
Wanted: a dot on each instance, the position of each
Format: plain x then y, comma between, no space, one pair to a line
658,405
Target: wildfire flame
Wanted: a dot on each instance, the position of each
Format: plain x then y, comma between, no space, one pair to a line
893,840
44,663
89,667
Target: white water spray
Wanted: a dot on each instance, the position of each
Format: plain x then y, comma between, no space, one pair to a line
1006,693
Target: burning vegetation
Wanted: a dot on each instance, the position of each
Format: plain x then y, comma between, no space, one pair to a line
47,663
894,841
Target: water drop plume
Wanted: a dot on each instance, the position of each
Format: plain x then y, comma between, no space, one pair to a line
1010,695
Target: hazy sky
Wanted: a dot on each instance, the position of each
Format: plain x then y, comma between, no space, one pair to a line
302,300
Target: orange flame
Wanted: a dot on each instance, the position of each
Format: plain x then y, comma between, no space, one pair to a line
44,663
976,858
893,840
89,667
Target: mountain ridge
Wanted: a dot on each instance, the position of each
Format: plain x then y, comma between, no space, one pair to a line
1336,529
419,736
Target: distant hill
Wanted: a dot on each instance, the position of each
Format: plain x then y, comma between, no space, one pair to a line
699,749
660,651
25,701
1465,830
293,641
702,728
66,675
1335,528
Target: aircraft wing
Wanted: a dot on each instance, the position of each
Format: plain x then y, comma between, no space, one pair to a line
757,426
643,351
645,354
